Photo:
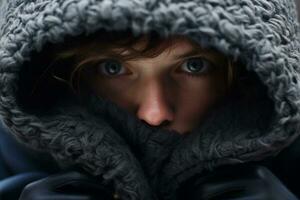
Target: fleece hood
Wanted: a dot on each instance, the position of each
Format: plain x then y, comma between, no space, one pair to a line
140,161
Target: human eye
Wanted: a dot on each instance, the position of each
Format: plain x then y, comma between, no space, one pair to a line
110,67
197,66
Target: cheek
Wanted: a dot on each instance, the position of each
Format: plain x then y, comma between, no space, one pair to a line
195,98
104,88
192,97
115,90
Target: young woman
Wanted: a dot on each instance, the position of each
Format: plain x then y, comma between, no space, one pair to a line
149,100
169,83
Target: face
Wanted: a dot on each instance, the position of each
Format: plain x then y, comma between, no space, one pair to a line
173,90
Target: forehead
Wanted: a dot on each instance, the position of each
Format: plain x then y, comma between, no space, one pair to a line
174,45
182,44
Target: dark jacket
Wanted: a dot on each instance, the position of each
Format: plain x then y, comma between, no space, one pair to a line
103,139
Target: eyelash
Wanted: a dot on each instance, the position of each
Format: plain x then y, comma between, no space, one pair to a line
190,74
210,67
98,66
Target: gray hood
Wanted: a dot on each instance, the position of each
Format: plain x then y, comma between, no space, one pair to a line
143,162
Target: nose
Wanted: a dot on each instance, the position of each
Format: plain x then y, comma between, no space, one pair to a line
154,107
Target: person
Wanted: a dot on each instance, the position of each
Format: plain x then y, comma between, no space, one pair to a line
149,100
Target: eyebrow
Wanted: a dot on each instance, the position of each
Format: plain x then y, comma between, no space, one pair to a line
189,53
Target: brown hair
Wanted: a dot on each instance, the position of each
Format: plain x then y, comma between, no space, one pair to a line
68,59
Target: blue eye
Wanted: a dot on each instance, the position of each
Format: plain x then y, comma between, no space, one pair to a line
110,67
197,66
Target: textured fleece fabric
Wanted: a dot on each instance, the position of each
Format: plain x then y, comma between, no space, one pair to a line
143,162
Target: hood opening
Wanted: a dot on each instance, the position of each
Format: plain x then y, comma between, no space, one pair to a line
39,92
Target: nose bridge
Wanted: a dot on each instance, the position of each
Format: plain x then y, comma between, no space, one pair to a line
154,107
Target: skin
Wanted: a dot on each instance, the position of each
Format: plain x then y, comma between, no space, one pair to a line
161,91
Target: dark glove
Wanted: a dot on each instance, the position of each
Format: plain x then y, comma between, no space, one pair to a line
245,182
71,185
11,187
